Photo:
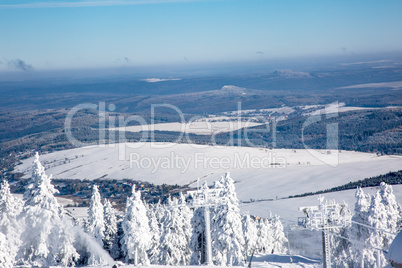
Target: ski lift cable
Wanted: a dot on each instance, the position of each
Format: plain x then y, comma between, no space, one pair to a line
353,241
374,228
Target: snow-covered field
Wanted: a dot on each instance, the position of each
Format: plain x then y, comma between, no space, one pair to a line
337,107
394,85
196,127
259,173
281,110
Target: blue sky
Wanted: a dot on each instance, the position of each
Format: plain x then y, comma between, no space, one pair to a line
96,34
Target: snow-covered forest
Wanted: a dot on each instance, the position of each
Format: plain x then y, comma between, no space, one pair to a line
39,232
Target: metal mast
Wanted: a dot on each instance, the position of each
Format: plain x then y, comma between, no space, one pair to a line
325,217
207,198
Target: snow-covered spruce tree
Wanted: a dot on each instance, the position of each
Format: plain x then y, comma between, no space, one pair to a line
96,222
174,241
358,233
393,213
197,241
341,246
137,237
250,234
186,214
6,259
110,240
153,214
264,243
47,238
10,226
278,235
377,218
226,229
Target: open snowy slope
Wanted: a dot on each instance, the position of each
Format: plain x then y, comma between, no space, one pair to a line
196,127
259,173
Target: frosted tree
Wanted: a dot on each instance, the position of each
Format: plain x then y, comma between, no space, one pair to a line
197,241
226,230
110,241
278,235
96,222
6,260
186,215
67,252
154,213
341,244
47,238
250,234
393,213
377,218
174,241
10,226
137,237
265,239
359,233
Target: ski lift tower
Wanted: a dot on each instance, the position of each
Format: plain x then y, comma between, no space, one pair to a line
325,217
207,198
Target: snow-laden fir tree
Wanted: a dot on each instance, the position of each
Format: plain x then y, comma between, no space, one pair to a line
265,239
96,222
186,214
197,241
278,235
137,237
377,218
154,215
226,229
393,211
6,259
47,238
110,240
250,234
359,233
341,245
10,226
174,241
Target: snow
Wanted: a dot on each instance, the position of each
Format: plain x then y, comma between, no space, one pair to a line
338,108
281,110
96,224
61,200
394,85
196,127
288,209
395,251
302,172
317,109
298,261
137,235
251,182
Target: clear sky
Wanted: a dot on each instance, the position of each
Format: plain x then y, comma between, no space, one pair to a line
63,34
